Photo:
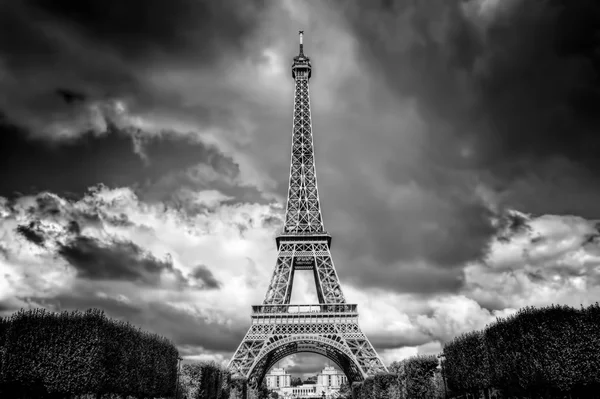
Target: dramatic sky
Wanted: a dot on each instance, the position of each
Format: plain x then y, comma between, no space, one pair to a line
144,158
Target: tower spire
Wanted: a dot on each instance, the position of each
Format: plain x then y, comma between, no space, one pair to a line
303,211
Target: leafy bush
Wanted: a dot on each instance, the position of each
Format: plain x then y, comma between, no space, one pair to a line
467,365
82,353
549,351
367,390
53,352
357,390
415,377
208,380
587,352
386,386
345,391
532,351
239,388
4,324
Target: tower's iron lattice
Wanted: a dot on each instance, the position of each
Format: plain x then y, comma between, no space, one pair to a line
278,328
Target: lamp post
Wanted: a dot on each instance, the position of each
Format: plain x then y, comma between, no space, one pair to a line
179,359
442,357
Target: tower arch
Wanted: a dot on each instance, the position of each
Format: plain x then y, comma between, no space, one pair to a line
330,347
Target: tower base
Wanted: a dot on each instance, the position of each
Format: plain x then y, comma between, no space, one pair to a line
278,331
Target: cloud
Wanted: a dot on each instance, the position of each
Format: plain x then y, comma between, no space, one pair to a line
456,315
417,148
172,272
305,365
556,261
424,131
491,78
29,166
31,233
446,136
101,49
202,274
119,260
226,255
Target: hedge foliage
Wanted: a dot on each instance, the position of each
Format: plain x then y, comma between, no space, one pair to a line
4,324
239,388
83,353
412,378
467,366
549,351
356,390
208,380
385,386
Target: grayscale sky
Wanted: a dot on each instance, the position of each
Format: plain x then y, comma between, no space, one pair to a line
144,158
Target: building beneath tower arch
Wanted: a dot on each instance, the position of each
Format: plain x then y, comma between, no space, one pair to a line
328,383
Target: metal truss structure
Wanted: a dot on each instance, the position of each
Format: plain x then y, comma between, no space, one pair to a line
329,328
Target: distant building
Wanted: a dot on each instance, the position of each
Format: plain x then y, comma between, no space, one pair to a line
330,377
328,382
278,378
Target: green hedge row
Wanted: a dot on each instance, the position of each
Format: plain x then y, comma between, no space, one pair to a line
410,378
210,381
47,353
239,388
550,351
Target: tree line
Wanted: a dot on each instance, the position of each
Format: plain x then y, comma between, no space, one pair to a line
48,354
549,352
208,380
416,377
45,354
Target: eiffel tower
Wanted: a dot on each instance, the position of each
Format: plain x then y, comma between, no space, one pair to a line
329,328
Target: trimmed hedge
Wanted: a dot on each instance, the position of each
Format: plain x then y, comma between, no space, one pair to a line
467,367
239,388
356,390
4,324
385,386
415,376
549,351
367,390
83,353
208,380
410,378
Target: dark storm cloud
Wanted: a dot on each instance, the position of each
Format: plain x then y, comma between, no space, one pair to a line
140,28
118,261
513,224
407,277
508,97
217,171
32,233
519,87
183,328
204,275
74,228
59,58
70,96
126,261
28,165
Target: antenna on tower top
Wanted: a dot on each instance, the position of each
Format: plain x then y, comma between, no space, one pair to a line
301,33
